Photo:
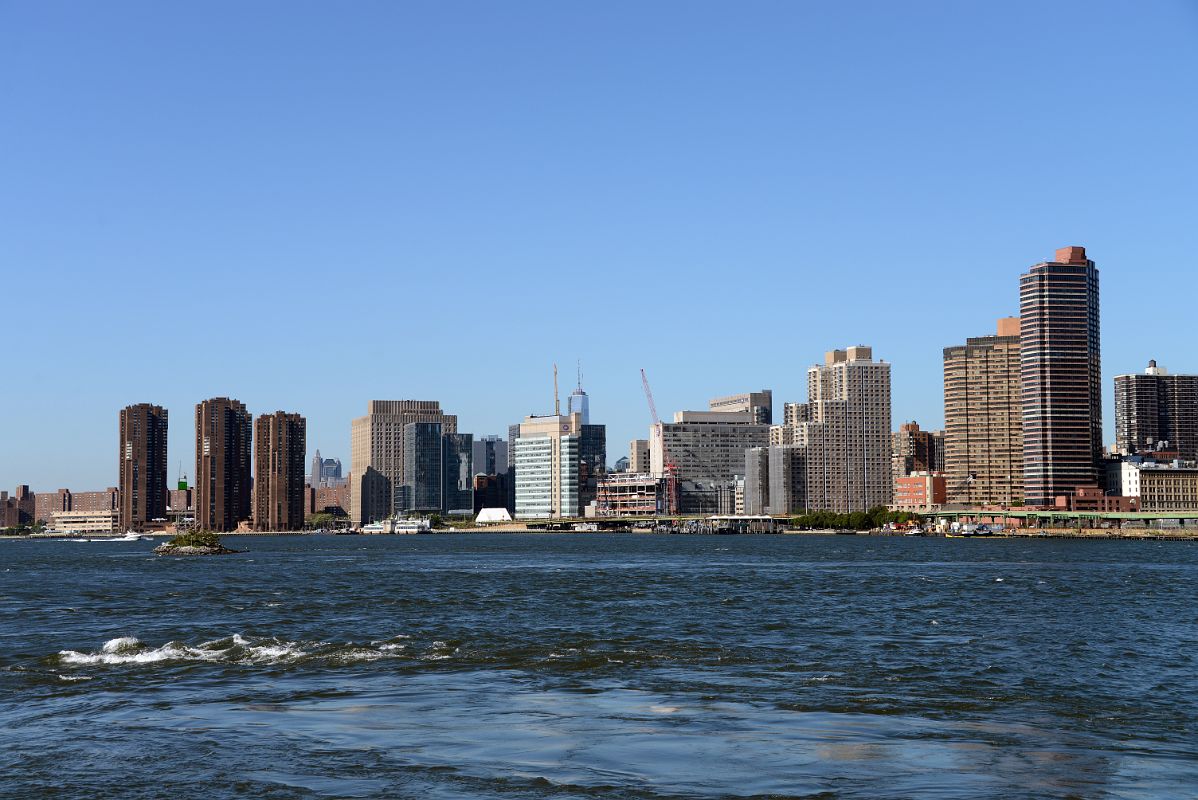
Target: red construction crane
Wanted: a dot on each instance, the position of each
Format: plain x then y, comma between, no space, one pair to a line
671,469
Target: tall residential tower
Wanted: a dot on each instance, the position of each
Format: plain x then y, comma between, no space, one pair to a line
143,488
279,471
224,434
1061,376
983,430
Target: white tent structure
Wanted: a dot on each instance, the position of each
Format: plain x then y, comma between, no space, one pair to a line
492,516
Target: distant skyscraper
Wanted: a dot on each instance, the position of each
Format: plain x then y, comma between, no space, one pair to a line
983,429
142,465
224,434
638,456
279,472
578,402
1156,411
316,471
1061,376
377,452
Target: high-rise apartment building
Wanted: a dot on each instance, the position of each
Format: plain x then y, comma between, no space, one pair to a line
1157,412
224,435
1061,376
916,450
143,487
280,443
983,412
759,404
377,454
848,438
438,475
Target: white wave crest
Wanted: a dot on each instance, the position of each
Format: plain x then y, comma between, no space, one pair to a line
235,649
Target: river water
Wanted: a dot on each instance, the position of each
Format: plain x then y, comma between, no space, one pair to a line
587,665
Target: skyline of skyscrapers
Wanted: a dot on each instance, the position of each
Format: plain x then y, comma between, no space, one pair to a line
1022,426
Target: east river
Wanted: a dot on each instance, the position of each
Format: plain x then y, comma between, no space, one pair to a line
587,665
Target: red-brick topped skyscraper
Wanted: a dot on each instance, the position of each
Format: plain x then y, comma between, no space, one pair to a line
1061,376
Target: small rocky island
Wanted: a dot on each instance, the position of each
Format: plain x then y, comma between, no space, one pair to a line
194,543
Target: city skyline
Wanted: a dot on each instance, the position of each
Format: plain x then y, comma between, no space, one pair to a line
798,197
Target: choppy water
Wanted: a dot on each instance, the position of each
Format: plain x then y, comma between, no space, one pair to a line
532,666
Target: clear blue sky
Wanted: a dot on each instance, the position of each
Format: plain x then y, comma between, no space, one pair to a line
309,205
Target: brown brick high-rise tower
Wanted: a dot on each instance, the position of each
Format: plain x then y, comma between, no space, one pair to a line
279,450
223,438
142,468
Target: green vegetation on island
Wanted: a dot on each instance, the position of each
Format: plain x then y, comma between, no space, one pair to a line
194,543
858,520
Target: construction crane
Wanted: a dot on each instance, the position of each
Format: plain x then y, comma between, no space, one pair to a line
671,469
557,406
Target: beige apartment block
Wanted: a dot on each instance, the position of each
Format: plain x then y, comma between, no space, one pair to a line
848,439
983,448
377,453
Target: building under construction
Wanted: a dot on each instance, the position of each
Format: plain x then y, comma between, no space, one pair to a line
630,494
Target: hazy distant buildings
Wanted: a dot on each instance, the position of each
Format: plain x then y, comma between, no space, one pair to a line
279,448
377,454
324,471
1156,412
983,412
224,436
1061,375
142,472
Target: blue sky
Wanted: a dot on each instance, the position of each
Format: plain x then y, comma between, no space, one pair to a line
320,203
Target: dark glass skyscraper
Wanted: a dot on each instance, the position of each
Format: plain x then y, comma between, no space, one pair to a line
1060,376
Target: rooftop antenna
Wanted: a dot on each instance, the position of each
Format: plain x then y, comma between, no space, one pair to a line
557,406
580,376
